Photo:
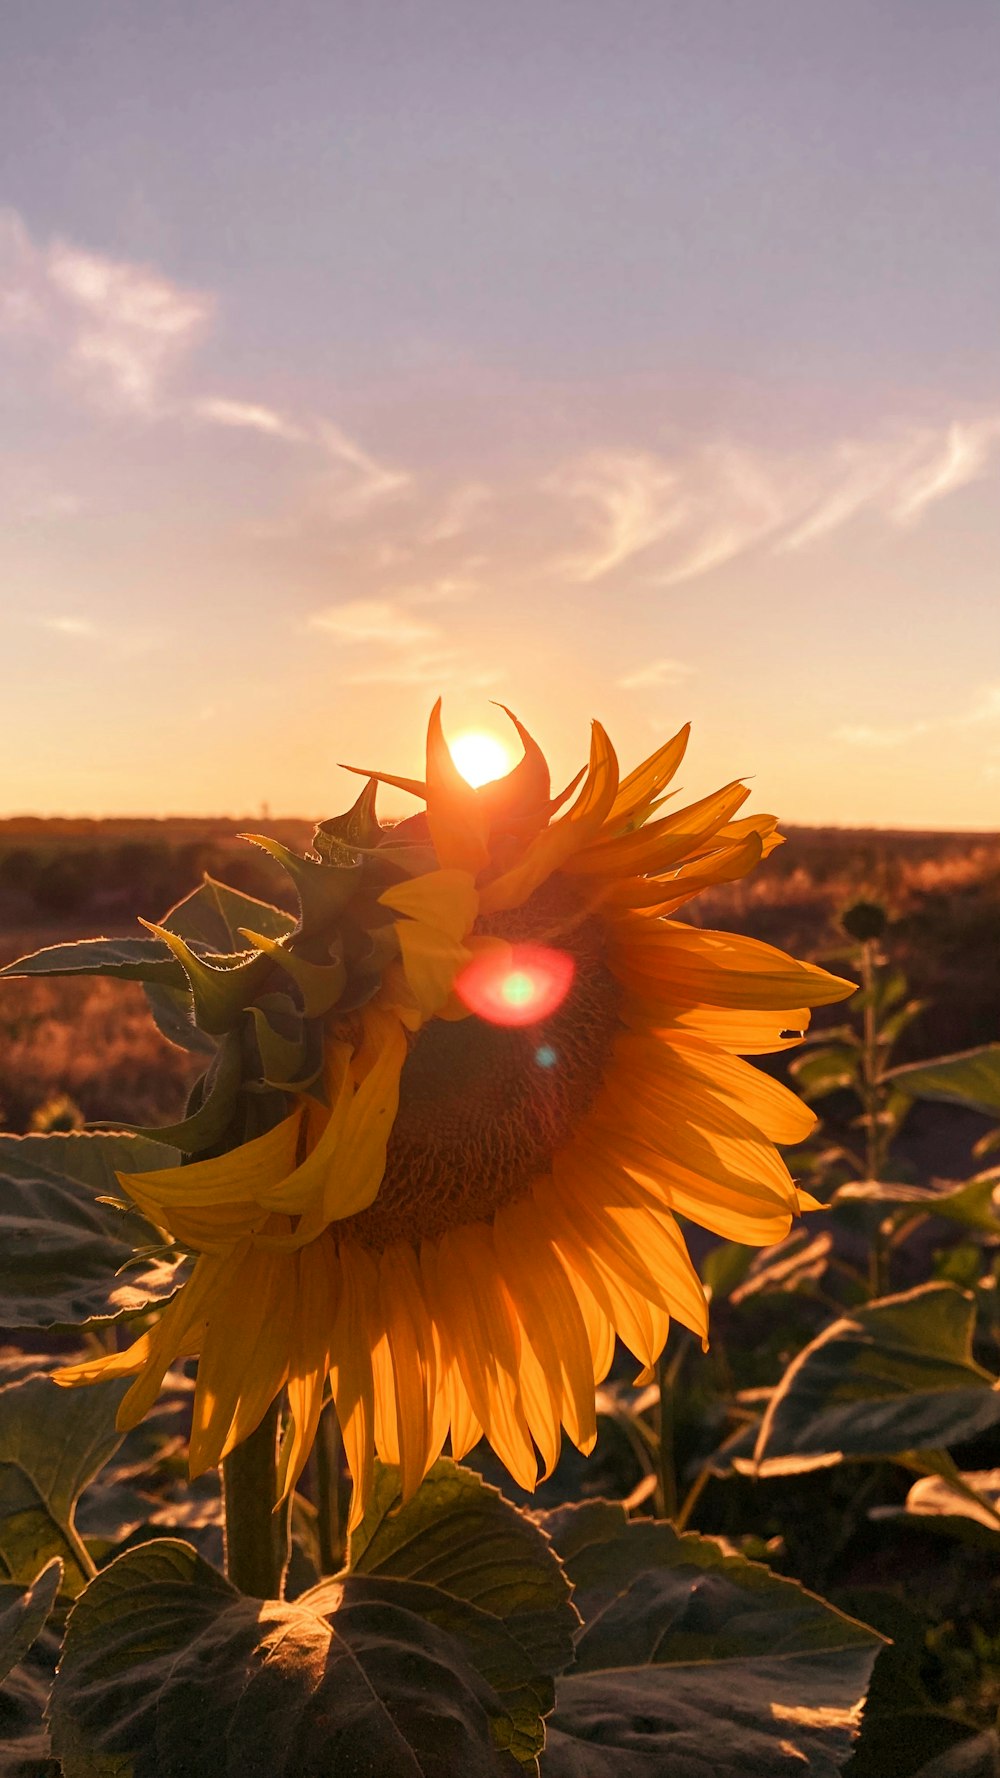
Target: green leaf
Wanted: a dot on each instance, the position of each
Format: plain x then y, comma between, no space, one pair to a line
168,1672
23,1613
971,1078
977,1756
964,1505
61,1250
460,1546
821,1071
893,1377
798,1261
693,1662
724,1268
970,1204
130,959
211,916
24,1696
53,1441
173,1015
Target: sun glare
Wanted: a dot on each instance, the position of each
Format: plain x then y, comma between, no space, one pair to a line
480,757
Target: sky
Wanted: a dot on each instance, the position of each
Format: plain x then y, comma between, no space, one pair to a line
638,362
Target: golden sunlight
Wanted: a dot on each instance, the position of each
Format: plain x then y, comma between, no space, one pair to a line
480,756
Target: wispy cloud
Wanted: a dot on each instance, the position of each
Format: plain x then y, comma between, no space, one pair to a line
116,328
390,643
702,507
378,621
356,480
656,673
247,416
633,500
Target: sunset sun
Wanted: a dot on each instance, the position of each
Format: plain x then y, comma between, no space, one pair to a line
480,756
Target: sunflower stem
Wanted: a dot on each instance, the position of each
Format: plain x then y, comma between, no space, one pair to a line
665,1376
255,1534
330,1527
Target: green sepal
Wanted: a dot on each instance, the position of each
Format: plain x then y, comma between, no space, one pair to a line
320,984
323,889
223,987
282,1042
339,839
208,1122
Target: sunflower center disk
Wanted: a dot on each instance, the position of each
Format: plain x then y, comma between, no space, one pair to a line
483,1107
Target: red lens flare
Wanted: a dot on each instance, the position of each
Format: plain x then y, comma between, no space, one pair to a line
516,986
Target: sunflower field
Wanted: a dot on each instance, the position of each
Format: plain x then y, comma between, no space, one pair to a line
536,1348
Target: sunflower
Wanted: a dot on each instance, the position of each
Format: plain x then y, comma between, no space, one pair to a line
486,1191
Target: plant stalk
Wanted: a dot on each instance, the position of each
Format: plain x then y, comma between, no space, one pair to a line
330,1527
256,1536
665,1375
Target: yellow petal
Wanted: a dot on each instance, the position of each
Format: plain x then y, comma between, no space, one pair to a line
355,1168
431,962
309,1357
778,1113
570,834
701,968
351,1371
470,1295
637,792
665,843
446,900
550,1315
244,1358
238,1176
414,1366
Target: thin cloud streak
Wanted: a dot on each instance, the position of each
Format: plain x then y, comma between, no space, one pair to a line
700,509
367,621
247,416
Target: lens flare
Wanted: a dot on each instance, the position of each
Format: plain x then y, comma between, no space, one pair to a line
516,986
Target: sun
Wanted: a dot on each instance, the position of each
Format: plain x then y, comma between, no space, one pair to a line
480,756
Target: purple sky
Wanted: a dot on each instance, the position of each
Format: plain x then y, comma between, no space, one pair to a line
639,362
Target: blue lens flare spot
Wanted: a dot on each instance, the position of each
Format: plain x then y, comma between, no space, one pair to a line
546,1056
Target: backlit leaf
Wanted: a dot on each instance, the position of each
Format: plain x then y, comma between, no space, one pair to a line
169,1672
894,1376
52,1443
61,1250
692,1662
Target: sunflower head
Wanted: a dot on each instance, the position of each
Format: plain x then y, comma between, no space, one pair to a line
530,1072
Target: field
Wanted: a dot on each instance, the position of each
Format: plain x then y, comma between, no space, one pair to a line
877,1317
94,1040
